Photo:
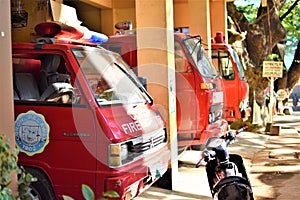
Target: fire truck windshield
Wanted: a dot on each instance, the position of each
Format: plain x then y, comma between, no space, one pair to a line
204,66
224,63
109,77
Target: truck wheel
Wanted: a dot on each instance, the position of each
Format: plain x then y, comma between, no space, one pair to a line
41,189
165,181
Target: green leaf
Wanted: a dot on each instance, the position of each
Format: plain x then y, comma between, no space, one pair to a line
111,194
87,192
65,197
29,178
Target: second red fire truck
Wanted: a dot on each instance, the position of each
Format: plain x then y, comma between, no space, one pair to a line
227,62
199,88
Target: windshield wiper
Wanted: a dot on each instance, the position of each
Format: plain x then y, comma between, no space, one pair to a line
192,37
137,83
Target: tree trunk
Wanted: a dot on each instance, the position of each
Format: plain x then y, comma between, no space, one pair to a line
294,70
262,36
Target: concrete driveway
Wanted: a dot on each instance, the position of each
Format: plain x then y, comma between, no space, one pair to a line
273,163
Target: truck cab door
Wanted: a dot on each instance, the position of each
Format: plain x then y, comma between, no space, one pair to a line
186,97
228,71
54,133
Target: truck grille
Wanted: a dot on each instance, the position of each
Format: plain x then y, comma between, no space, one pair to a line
127,152
148,143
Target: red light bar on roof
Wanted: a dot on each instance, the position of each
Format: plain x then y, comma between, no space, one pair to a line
219,38
47,29
58,30
65,32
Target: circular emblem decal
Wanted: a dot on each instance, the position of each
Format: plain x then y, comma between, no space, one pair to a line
32,132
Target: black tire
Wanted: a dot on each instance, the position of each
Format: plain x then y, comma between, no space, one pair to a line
165,181
41,189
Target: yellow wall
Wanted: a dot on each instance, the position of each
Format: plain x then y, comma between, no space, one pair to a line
107,22
218,16
199,19
206,23
24,32
181,14
122,10
88,14
195,15
123,14
100,3
102,15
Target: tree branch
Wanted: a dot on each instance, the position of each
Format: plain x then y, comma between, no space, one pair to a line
279,4
294,72
289,10
237,16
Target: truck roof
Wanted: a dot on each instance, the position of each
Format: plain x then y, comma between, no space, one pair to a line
178,36
54,46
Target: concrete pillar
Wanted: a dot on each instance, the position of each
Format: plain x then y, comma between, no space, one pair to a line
200,19
6,83
218,17
155,43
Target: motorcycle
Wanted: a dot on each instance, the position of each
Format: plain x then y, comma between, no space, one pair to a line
226,173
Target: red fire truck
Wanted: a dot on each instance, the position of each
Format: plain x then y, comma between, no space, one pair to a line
199,89
82,117
228,64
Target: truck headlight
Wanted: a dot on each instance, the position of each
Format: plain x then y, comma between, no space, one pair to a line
206,86
117,154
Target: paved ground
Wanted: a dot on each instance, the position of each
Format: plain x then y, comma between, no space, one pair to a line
273,163
275,170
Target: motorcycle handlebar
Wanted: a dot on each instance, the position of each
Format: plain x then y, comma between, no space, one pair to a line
241,129
231,135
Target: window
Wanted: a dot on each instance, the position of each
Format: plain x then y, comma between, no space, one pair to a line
225,66
181,63
41,77
185,30
110,78
203,64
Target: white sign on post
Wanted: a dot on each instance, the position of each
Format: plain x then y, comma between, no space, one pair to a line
272,69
